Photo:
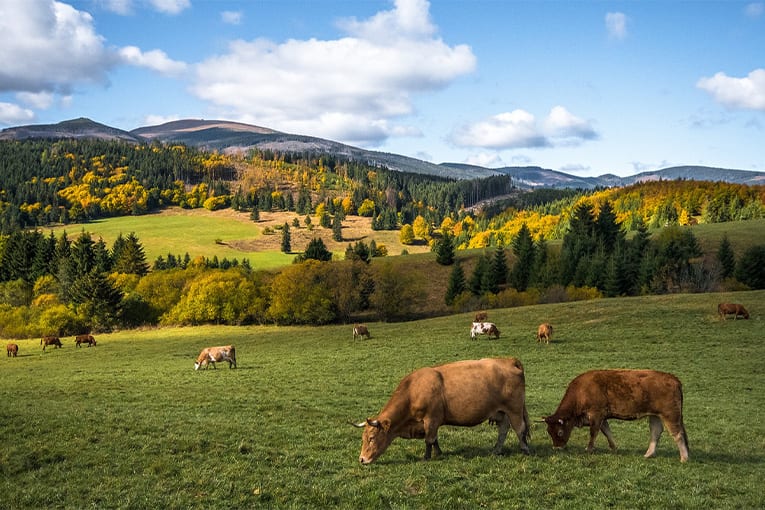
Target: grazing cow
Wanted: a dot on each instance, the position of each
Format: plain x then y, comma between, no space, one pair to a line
464,394
12,349
50,340
544,333
84,339
481,316
725,309
360,331
594,397
216,355
484,328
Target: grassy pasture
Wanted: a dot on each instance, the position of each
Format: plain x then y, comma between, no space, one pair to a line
129,424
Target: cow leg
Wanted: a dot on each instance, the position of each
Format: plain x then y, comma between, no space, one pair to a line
606,430
655,426
677,430
432,447
503,426
521,429
430,427
594,428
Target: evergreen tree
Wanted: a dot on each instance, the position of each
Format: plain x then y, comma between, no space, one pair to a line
96,300
444,249
578,245
751,267
726,258
525,255
477,278
456,285
337,228
607,230
316,250
255,213
499,266
130,257
286,241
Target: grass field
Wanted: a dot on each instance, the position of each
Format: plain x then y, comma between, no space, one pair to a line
130,424
230,234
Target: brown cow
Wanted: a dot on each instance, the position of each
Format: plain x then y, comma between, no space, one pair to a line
50,340
360,331
216,355
464,393
544,333
725,309
12,349
84,339
594,397
481,316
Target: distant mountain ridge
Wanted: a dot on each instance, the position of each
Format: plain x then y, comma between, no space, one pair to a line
227,136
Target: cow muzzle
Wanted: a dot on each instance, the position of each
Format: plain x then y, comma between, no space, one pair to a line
364,461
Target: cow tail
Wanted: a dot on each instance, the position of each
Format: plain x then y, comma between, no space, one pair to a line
526,423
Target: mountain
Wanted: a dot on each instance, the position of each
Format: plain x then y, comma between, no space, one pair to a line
226,136
75,128
235,137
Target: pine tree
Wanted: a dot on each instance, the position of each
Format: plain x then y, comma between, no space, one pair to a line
524,251
337,228
726,258
316,250
128,256
499,266
286,242
477,278
456,285
444,249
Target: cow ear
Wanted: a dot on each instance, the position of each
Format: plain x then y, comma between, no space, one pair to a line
385,425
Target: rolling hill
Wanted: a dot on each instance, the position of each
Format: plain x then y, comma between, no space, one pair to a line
226,136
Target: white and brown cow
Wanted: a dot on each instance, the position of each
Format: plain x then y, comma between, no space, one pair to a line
484,328
212,355
360,331
464,394
594,397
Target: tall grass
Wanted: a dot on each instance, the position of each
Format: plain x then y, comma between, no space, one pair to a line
130,424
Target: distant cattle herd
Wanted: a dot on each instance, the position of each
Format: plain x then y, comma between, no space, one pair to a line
470,392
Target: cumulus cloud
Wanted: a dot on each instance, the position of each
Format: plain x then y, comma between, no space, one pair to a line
49,46
125,7
520,129
485,159
156,60
170,6
737,93
351,88
616,25
231,17
14,114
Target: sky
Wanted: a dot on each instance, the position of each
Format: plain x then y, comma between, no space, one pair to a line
583,87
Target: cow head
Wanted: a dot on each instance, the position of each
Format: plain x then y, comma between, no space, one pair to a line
375,440
559,430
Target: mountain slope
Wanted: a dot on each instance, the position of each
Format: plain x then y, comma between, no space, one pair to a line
229,136
75,128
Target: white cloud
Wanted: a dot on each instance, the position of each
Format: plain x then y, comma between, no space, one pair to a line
49,46
740,93
40,100
349,89
486,160
170,6
754,10
122,7
156,120
616,25
156,60
231,17
14,114
520,129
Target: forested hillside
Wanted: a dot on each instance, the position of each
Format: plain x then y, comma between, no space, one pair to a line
612,242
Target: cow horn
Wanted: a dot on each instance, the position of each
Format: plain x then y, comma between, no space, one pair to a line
360,425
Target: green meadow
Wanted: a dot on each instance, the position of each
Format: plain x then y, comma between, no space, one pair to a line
130,424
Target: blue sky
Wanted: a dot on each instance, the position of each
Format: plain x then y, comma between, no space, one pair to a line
585,87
